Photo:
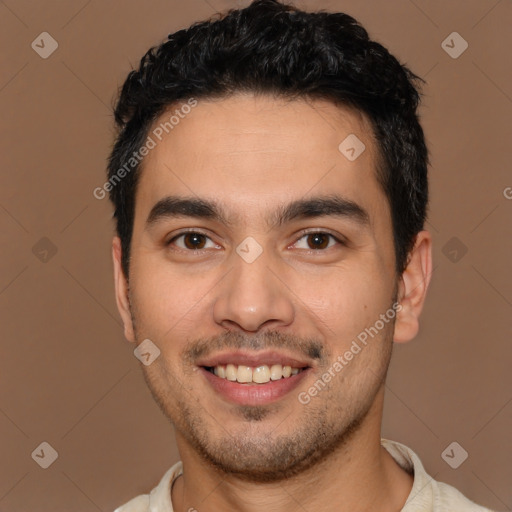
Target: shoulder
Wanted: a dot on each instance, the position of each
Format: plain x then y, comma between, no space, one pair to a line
427,494
159,498
450,499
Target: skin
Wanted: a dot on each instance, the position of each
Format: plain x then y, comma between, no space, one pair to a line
252,154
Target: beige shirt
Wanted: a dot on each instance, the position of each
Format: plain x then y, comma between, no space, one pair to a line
427,495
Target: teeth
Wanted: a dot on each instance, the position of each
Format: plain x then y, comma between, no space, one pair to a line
260,375
244,374
231,371
276,371
220,371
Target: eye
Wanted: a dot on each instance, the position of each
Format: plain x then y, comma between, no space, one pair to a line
192,240
316,241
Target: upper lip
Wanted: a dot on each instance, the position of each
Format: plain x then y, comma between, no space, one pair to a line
253,359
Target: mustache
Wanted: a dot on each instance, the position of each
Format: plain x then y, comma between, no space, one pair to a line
311,348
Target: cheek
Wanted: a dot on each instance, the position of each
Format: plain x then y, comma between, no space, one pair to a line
344,303
168,302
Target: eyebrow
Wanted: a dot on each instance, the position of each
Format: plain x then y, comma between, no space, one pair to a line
324,206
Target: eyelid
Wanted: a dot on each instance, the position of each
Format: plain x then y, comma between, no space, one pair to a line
188,231
311,231
298,236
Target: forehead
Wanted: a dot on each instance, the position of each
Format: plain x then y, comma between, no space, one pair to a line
248,151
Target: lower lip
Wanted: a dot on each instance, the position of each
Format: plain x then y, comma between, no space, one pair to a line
254,394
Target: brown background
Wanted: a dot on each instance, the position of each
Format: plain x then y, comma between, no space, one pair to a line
69,378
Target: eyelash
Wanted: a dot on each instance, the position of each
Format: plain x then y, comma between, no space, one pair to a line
303,234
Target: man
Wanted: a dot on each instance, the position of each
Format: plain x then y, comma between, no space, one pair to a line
270,189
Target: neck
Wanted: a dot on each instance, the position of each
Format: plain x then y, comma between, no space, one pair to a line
358,476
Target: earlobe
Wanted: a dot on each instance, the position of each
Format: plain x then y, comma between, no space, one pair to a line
121,290
413,288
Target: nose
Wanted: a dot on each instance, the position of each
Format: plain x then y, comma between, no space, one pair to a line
252,297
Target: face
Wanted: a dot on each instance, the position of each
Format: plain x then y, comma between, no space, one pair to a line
260,254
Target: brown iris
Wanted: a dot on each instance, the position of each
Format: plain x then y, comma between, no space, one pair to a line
194,240
318,240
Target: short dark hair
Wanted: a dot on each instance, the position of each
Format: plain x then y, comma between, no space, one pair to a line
273,48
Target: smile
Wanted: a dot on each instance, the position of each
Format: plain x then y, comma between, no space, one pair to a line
254,378
258,375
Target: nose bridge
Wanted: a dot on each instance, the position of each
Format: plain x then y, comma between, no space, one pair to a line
252,295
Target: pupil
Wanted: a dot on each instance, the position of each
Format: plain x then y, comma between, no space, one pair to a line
318,241
194,241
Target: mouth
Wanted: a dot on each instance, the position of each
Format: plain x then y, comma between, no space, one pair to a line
248,375
254,379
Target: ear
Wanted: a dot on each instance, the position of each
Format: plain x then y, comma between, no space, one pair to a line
412,288
121,284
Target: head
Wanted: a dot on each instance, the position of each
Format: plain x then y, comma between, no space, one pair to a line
271,209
